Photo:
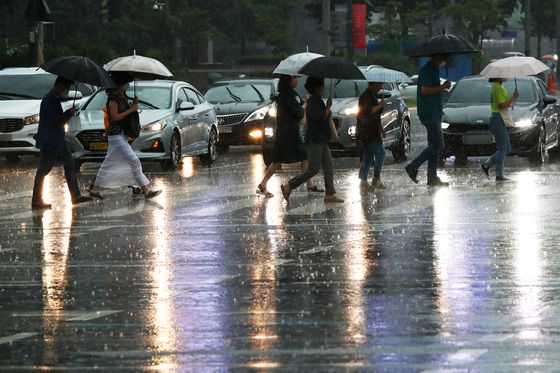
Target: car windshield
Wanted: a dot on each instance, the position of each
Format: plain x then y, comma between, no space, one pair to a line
238,92
477,91
31,86
150,98
340,88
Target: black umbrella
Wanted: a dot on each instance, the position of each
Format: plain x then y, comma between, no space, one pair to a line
443,44
79,69
332,67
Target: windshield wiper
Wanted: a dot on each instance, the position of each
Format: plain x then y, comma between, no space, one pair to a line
20,95
148,104
236,98
356,89
258,92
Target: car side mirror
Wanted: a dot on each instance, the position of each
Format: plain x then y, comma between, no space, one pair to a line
383,94
549,100
403,85
185,106
75,95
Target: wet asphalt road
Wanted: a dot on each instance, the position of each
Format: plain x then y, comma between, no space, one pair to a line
210,277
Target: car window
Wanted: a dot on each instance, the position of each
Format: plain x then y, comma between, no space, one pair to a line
230,92
26,86
388,86
181,95
543,88
477,91
192,96
151,98
200,98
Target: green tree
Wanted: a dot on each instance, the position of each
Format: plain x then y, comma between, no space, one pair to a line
542,21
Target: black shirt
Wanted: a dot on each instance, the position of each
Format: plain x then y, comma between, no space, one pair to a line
115,127
369,124
318,129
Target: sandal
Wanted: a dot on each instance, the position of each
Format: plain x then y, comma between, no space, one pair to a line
286,191
315,189
261,191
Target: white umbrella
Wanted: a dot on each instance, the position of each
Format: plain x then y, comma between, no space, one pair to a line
292,64
512,67
380,74
139,67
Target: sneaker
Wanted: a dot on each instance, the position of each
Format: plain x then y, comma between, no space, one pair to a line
377,185
136,191
412,173
40,206
501,178
152,194
364,185
485,169
81,199
333,199
96,195
261,191
437,182
286,191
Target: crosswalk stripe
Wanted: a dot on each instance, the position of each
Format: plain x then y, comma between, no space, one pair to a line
16,337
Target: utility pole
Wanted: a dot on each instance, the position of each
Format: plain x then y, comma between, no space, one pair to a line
527,5
326,27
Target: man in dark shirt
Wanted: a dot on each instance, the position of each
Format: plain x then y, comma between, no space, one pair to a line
430,112
370,134
51,142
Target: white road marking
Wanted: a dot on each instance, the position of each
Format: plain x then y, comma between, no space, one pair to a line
466,355
94,315
69,315
224,208
496,337
411,206
315,250
16,337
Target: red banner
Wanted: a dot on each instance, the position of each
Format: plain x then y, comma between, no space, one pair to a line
359,16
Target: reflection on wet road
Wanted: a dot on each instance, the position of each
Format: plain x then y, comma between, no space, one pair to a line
211,277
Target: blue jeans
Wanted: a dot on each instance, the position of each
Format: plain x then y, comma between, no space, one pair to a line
503,145
435,146
373,152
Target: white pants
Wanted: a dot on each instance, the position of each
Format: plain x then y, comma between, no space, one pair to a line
121,166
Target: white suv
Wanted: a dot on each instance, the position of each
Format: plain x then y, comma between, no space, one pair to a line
21,92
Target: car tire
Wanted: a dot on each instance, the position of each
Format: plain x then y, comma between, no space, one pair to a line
537,156
212,152
175,154
12,159
461,160
402,150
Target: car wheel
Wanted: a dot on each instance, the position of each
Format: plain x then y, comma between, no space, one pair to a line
554,153
175,154
212,153
537,156
461,160
13,159
402,149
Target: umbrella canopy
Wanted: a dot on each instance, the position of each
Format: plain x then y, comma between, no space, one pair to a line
332,68
79,69
139,67
512,67
444,44
292,64
380,74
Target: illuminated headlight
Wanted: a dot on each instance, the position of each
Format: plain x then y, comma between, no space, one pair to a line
66,127
272,112
444,125
255,134
269,131
352,131
32,119
353,110
258,114
155,127
524,123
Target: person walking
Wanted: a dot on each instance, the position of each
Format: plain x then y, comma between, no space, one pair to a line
370,134
499,121
317,142
430,112
288,147
53,148
121,166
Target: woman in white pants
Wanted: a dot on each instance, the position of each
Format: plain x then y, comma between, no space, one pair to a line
121,166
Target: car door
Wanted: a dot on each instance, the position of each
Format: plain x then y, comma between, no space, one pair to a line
390,115
549,114
184,121
199,121
208,118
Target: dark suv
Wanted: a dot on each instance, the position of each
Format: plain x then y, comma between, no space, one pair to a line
241,105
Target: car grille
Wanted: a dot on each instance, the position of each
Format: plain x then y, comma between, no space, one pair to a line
87,137
467,127
11,125
336,122
14,144
227,120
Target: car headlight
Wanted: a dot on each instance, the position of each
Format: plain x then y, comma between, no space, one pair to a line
352,131
524,123
32,119
444,125
272,111
268,132
155,126
258,114
66,127
353,110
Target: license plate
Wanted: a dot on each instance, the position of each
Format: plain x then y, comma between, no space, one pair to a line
98,146
226,129
478,139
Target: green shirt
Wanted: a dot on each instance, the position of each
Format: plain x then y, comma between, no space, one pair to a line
429,106
499,96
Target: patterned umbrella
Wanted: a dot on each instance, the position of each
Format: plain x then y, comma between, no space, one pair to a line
380,74
292,64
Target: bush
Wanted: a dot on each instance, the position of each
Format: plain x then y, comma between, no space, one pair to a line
389,60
